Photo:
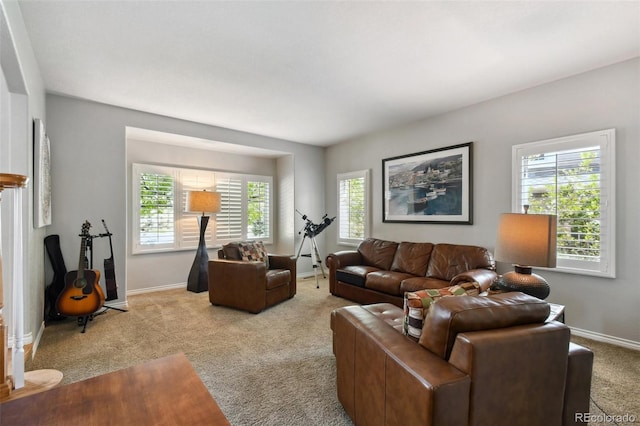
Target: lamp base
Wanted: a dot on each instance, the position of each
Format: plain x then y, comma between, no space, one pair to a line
198,280
529,283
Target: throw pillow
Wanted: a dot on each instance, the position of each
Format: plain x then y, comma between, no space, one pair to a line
263,252
417,304
253,251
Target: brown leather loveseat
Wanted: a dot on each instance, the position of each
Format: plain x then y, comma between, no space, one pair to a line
250,285
382,271
492,360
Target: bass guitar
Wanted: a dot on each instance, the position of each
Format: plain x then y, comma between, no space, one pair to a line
82,294
110,269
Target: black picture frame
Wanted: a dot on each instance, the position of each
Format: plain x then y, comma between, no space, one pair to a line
434,186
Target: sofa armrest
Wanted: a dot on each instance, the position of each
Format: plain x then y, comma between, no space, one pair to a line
484,277
578,387
379,371
238,284
277,261
339,260
286,262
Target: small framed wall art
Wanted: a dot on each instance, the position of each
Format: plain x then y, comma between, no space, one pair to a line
41,176
432,186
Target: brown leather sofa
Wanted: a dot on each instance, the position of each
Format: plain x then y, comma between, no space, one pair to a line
491,360
382,271
250,285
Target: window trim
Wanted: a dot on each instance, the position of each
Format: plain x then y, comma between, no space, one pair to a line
365,174
179,215
605,139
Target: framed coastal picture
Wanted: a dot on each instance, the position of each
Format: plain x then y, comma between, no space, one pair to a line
432,186
41,176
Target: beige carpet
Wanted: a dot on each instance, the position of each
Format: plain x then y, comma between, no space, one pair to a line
274,368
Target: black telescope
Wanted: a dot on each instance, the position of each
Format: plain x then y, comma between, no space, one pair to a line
312,229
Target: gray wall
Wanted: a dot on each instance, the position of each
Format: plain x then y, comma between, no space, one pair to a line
89,173
604,98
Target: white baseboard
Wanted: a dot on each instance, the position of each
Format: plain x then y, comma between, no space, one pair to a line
304,275
36,342
118,305
618,341
157,288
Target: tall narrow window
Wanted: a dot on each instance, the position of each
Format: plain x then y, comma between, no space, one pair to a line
574,178
258,208
155,209
353,207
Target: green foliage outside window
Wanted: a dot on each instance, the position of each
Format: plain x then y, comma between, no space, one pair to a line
257,209
356,208
156,208
574,197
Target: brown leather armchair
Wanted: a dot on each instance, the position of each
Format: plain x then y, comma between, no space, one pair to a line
250,285
480,361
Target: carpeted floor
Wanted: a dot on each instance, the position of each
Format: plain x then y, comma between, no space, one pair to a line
274,368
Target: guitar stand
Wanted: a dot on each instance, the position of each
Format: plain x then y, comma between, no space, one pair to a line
84,320
316,260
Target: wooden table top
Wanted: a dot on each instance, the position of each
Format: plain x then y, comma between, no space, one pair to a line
165,391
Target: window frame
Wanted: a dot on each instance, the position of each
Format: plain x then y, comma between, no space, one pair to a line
605,140
182,241
358,174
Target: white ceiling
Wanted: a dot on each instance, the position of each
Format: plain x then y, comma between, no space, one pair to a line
319,72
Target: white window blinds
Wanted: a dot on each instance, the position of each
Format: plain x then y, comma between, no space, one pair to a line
573,178
229,220
353,211
155,207
258,208
162,223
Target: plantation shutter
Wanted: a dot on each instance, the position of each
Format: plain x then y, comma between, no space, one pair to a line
155,208
352,206
572,178
229,220
258,208
189,226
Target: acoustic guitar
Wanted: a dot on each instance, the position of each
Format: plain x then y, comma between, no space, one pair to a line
82,294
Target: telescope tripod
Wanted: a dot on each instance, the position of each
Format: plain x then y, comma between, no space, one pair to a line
314,254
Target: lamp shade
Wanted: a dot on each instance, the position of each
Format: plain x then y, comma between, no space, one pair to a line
203,201
527,239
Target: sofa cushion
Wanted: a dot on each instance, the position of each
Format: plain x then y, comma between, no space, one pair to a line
449,260
417,304
378,253
412,258
452,315
277,278
420,283
355,275
386,281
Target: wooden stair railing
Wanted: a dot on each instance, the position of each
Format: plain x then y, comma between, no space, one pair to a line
7,180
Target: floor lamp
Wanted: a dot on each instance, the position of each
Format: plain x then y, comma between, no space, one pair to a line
526,240
201,201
